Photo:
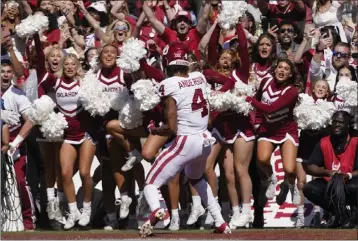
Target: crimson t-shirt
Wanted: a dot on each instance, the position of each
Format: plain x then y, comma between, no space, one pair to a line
192,39
291,14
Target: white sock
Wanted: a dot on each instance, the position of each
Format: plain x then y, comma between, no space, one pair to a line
61,197
175,212
300,210
117,193
152,196
217,199
225,206
112,216
236,210
87,205
206,194
124,194
50,194
246,208
196,201
317,209
72,207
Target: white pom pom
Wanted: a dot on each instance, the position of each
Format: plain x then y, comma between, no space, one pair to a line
119,99
93,99
31,25
240,105
348,91
231,12
94,64
132,51
41,109
145,94
53,128
311,115
243,89
130,116
219,101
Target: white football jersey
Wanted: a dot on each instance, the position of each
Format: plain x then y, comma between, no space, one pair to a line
192,102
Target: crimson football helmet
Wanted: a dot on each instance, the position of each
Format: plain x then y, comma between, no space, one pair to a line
175,54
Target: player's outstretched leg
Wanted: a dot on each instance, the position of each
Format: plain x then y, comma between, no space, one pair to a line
206,194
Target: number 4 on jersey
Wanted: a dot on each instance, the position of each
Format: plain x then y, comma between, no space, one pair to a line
199,102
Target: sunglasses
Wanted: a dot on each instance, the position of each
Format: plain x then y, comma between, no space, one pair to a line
283,30
340,54
121,28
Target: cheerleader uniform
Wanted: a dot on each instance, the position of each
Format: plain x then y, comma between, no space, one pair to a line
276,103
66,94
41,69
234,125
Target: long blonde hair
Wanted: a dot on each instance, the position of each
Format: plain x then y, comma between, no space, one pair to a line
110,31
59,72
48,51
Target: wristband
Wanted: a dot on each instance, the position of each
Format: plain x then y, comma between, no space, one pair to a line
17,141
349,175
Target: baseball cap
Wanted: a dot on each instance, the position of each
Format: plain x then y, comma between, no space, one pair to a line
98,6
175,54
183,14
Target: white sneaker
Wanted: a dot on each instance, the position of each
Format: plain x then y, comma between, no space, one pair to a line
85,217
270,192
124,209
195,213
239,221
131,161
51,209
296,195
58,215
300,222
72,219
174,223
209,220
111,225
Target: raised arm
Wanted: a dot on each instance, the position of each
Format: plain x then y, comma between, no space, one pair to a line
157,25
46,80
97,29
169,11
214,77
243,51
138,25
203,17
115,10
213,54
206,38
19,69
288,99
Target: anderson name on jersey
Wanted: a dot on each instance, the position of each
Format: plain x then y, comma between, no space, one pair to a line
191,99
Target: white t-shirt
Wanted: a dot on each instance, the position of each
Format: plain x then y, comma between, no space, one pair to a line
16,100
191,99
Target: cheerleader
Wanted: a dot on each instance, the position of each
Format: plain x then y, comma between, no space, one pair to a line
50,150
231,128
77,142
276,99
308,139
